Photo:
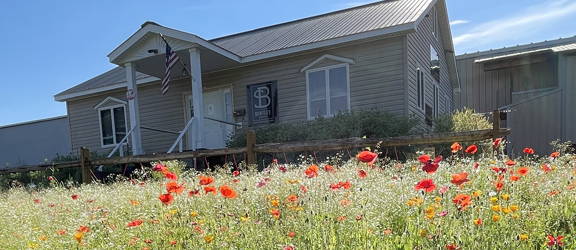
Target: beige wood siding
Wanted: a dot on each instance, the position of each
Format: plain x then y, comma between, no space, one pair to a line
418,49
376,81
570,100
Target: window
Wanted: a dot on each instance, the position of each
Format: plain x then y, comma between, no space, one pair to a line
112,124
328,91
420,87
436,100
434,64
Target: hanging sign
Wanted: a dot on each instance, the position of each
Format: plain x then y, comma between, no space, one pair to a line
130,94
262,103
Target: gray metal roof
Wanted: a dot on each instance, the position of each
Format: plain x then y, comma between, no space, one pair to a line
378,15
375,16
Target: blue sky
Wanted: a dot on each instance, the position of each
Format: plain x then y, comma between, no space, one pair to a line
50,46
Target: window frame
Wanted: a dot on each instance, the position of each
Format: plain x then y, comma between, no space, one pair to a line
420,89
326,70
435,100
435,23
111,108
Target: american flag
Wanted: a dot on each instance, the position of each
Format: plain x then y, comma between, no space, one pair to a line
171,59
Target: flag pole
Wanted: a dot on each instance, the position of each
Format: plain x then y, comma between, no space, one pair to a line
181,63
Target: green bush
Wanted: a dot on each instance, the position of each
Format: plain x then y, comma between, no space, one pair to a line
369,123
461,120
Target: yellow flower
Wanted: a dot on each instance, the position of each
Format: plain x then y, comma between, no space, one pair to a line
78,236
293,181
416,201
505,197
437,199
523,236
208,238
493,199
506,210
32,245
43,237
478,221
423,233
173,211
274,203
495,208
430,212
477,193
193,213
296,208
495,218
514,208
515,216
244,218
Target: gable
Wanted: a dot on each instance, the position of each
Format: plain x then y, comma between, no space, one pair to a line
109,101
327,60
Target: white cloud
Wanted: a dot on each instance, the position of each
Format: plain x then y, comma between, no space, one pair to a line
529,21
456,22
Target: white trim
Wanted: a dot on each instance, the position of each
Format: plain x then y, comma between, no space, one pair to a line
116,54
329,57
327,78
109,98
111,108
421,96
325,43
62,98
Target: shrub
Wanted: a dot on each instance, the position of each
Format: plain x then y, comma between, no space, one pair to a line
461,120
369,123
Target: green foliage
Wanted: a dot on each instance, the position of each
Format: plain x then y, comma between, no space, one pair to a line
369,123
461,120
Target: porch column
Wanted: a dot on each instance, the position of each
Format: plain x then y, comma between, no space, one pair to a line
197,98
132,95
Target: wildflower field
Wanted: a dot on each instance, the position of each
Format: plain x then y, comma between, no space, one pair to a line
469,200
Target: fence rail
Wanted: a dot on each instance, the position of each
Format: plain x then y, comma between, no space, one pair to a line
252,149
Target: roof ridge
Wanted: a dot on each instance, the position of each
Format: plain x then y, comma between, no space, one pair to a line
301,19
550,43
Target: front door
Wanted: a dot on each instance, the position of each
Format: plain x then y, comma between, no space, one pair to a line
217,106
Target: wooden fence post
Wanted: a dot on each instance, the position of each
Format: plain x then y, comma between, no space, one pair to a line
250,143
495,123
85,165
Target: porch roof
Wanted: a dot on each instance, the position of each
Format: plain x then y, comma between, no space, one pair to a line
371,20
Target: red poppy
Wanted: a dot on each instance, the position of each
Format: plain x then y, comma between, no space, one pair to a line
303,188
159,168
311,171
292,198
166,198
555,154
345,184
206,180
523,171
170,176
275,213
452,247
426,185
514,178
476,165
496,142
37,201
431,167
210,189
462,201
173,187
472,149
367,157
499,170
499,185
227,192
328,168
456,147
553,241
334,186
173,242
362,173
74,196
235,173
194,192
135,223
291,234
510,163
424,158
459,179
529,151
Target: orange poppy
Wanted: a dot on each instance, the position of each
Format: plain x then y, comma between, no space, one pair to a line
462,201
555,154
426,185
311,171
510,163
206,180
292,198
227,192
362,173
173,187
459,179
170,176
514,178
546,168
499,185
367,157
472,149
345,184
523,171
456,147
275,213
210,189
291,234
328,168
166,198
83,229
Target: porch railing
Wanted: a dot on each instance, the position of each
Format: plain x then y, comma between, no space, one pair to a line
180,136
121,143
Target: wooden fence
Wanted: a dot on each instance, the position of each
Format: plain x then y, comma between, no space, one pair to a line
252,149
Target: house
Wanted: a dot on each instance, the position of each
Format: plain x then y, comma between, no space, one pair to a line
536,82
34,142
393,55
